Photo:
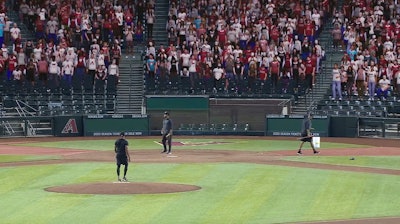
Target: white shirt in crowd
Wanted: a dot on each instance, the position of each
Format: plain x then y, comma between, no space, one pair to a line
53,68
17,74
113,69
336,75
68,67
15,31
192,67
185,59
218,72
92,63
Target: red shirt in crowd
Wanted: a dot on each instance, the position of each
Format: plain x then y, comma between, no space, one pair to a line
288,61
300,26
12,62
309,29
222,36
395,68
262,73
309,67
274,67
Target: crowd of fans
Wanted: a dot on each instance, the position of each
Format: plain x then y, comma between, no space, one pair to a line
74,44
267,46
368,33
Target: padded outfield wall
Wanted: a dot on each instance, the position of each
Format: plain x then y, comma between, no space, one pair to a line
261,116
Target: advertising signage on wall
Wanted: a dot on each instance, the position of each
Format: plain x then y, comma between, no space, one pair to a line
112,125
280,125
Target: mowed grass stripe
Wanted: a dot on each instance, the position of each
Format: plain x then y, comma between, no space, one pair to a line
348,195
26,194
278,194
156,208
192,207
152,208
380,196
293,191
138,208
346,190
47,209
16,178
245,198
383,162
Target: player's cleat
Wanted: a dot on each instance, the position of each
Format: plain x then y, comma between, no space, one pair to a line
316,152
119,180
163,151
169,153
124,179
299,153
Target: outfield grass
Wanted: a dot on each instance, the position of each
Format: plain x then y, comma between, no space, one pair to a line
233,193
217,144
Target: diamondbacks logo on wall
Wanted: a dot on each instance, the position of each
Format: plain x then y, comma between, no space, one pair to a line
70,127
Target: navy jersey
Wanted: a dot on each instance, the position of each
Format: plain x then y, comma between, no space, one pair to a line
120,146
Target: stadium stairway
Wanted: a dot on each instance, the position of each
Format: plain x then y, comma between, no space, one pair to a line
25,32
130,88
25,35
160,35
308,102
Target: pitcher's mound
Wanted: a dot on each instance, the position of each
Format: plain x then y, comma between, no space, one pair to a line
123,188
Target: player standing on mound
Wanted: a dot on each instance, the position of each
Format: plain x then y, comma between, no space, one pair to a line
166,132
306,135
122,155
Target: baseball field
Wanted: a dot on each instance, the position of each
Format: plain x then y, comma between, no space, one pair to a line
226,179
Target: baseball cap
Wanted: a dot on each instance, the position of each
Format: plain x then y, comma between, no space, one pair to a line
166,112
122,134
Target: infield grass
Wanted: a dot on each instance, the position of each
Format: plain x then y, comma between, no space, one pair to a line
231,193
184,143
236,193
383,162
19,158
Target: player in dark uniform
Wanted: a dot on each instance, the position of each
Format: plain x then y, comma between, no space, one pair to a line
306,135
166,132
122,155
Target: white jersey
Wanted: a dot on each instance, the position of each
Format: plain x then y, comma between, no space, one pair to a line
113,69
68,67
53,68
100,59
185,59
218,72
120,17
92,65
17,74
15,31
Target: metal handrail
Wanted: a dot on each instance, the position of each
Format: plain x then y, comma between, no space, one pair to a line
19,102
8,127
311,107
22,113
284,102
